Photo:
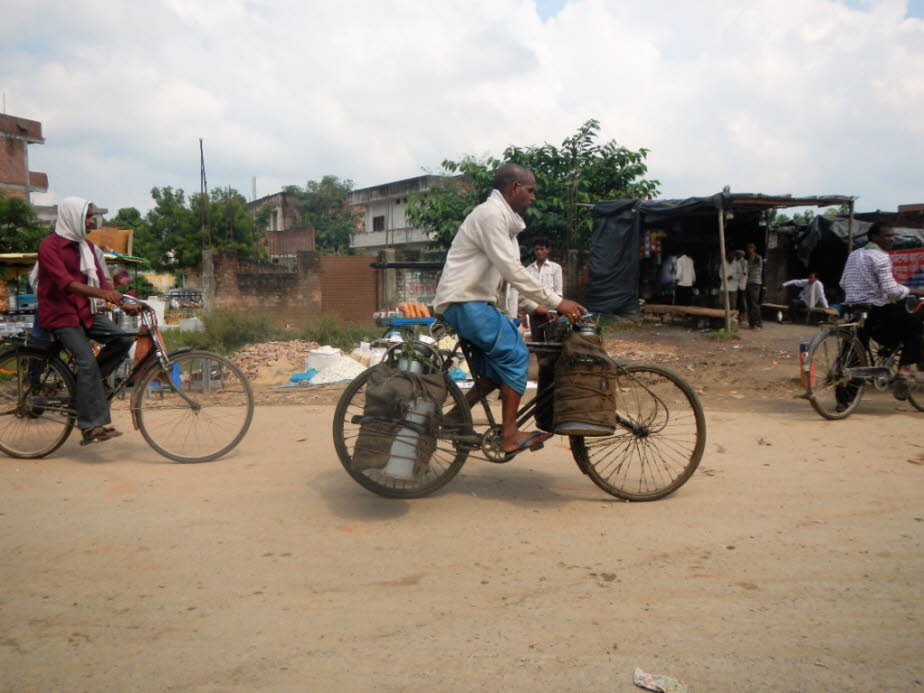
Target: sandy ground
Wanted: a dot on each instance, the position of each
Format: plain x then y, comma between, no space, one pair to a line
791,561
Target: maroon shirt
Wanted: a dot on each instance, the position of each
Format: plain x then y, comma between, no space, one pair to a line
59,265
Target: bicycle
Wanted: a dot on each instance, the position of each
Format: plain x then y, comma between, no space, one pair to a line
656,447
842,361
190,405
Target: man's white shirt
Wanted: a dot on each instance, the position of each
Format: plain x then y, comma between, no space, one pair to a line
484,259
549,275
812,294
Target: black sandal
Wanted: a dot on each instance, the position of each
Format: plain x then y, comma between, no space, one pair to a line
97,434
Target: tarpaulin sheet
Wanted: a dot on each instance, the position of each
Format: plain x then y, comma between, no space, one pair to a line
613,265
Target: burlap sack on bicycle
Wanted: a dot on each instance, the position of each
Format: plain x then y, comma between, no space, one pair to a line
388,394
585,387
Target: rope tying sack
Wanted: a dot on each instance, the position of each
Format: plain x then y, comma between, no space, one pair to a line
389,393
585,388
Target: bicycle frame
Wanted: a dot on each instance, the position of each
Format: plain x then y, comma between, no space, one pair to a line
157,353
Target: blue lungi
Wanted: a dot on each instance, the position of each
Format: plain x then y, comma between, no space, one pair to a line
503,356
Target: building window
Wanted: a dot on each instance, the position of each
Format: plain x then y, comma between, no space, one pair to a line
378,223
274,221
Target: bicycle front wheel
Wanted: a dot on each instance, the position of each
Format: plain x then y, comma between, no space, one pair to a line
36,403
444,463
197,410
831,388
917,400
659,438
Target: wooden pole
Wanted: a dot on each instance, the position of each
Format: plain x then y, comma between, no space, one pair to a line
850,227
724,268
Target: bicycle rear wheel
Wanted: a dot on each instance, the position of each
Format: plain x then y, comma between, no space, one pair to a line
196,411
444,463
657,444
833,392
36,403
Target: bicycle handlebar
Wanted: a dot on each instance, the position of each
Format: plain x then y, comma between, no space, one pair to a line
132,299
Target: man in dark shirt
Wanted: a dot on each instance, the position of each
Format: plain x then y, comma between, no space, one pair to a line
72,289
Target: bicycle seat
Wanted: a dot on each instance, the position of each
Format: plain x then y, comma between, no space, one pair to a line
855,310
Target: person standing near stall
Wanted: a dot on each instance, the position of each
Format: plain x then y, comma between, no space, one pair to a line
755,280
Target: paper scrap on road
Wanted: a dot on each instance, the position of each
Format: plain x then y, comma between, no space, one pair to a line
658,682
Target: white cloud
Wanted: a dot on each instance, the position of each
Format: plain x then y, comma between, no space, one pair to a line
801,96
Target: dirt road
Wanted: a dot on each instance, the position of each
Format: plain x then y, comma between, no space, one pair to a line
792,561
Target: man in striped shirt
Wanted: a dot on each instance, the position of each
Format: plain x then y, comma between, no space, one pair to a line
868,278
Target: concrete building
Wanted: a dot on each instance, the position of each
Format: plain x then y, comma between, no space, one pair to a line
285,235
385,224
16,180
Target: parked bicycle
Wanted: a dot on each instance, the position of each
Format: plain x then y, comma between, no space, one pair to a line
656,447
844,360
190,405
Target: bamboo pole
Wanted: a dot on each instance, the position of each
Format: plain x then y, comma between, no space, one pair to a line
724,268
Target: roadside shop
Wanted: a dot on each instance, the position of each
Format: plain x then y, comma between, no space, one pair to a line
635,243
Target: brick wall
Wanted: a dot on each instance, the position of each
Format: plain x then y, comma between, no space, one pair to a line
287,297
289,242
349,288
13,162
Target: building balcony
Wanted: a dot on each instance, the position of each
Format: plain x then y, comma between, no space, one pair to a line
390,238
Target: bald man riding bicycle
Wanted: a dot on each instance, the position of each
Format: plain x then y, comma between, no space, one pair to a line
483,260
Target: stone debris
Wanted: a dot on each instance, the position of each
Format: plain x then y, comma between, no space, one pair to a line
287,356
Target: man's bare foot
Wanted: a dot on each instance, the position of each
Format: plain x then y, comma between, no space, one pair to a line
524,440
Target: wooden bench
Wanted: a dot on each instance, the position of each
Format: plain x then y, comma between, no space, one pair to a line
780,312
713,317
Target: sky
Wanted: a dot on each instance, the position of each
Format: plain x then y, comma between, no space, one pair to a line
806,97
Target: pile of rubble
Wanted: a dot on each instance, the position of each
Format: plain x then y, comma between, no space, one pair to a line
286,357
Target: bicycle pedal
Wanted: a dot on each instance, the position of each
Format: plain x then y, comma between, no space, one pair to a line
537,446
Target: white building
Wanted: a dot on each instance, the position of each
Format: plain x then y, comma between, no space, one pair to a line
385,222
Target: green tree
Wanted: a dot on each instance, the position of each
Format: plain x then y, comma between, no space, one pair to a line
20,230
232,228
579,172
176,229
324,206
777,218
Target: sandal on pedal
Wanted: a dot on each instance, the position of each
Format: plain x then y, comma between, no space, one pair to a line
534,441
112,431
97,434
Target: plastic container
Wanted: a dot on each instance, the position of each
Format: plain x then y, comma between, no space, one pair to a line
403,453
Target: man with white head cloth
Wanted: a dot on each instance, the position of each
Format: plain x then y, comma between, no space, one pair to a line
73,286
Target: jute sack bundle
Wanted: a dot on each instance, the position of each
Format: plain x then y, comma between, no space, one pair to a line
389,392
585,388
